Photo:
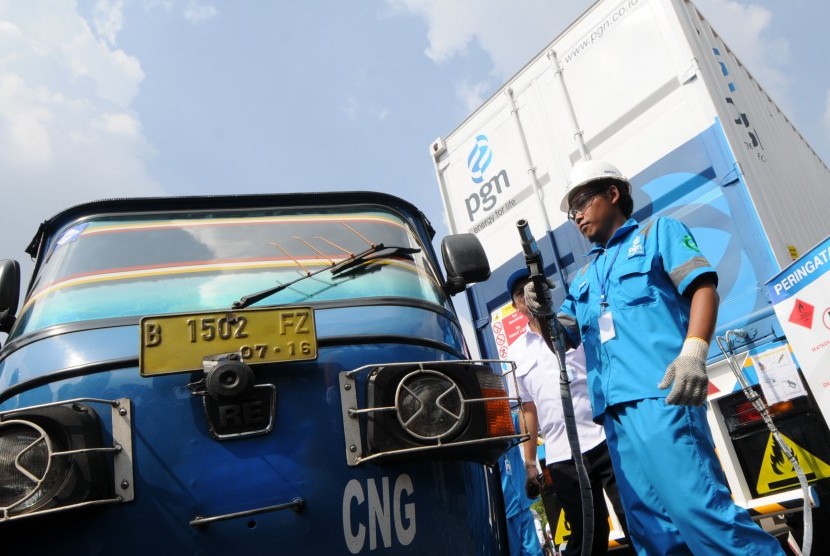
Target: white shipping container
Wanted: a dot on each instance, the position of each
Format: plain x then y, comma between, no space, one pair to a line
643,78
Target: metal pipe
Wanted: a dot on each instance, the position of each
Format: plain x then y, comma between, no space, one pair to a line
531,169
297,504
725,345
580,143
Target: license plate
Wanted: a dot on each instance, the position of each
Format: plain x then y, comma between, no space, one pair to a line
178,343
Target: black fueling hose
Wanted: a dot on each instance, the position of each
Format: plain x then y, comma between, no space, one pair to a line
553,334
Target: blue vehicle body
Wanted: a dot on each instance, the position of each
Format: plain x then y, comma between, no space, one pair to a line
288,488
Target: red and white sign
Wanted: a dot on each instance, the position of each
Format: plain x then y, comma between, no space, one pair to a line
801,296
507,324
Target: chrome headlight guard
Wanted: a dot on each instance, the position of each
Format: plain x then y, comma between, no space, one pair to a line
456,409
49,453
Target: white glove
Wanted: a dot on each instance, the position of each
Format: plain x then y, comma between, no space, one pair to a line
539,305
688,372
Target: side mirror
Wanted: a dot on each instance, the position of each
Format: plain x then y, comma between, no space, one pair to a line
465,261
9,293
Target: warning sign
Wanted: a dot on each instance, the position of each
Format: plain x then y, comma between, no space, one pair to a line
507,325
793,252
777,471
802,314
563,527
801,296
563,530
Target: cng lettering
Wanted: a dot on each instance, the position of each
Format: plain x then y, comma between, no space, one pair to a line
372,513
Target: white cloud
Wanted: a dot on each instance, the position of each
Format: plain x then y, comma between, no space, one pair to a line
196,13
350,108
472,94
744,27
108,19
193,11
24,124
509,32
119,124
116,75
68,133
9,30
164,4
354,110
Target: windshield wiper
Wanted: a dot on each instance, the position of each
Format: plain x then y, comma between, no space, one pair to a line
369,256
338,270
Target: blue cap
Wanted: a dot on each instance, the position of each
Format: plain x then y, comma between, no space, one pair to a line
514,278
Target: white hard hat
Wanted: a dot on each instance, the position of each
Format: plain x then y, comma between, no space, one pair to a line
586,172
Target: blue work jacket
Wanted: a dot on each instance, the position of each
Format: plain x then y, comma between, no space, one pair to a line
643,272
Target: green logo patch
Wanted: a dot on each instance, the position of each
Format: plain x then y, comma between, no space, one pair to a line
689,242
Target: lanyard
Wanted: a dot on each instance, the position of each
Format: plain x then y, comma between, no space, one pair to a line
602,302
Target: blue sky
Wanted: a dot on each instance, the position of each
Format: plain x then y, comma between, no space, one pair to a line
113,98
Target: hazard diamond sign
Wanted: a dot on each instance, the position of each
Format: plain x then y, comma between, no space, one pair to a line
777,471
802,314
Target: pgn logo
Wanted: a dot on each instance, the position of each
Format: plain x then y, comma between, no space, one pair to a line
479,159
372,511
486,197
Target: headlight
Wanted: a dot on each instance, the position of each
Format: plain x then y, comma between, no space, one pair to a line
440,409
429,405
29,476
52,458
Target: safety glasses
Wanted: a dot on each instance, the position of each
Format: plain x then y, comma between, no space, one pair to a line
581,203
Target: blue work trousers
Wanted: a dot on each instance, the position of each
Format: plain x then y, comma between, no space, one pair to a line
521,535
672,485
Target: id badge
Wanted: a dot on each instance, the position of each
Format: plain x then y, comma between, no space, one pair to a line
606,327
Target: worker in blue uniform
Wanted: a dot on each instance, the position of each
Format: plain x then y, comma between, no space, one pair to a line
521,527
645,309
